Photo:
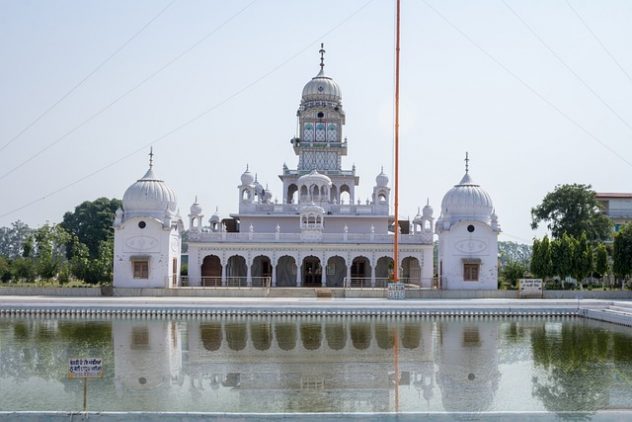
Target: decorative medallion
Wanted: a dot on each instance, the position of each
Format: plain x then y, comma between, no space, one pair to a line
141,243
471,246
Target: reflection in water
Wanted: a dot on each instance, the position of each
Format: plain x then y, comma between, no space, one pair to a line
261,335
319,364
336,335
211,334
361,335
286,335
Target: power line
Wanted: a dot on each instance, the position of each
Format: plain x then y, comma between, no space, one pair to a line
527,86
126,93
88,76
557,56
603,46
195,118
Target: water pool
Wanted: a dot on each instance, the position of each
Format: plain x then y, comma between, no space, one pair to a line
319,364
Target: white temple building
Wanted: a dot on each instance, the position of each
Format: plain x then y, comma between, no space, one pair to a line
319,235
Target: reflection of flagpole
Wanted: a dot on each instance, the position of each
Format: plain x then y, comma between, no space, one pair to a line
396,226
396,364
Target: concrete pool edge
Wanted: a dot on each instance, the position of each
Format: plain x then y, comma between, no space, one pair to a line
616,312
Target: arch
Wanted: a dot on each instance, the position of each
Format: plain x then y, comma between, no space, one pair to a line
261,335
333,194
382,198
336,271
285,333
235,335
345,195
236,271
211,335
411,335
314,193
384,335
383,271
211,271
411,270
304,194
311,335
245,194
336,335
427,225
361,335
286,271
311,271
360,272
292,193
261,270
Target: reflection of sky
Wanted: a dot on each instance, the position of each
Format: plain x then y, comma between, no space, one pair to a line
455,365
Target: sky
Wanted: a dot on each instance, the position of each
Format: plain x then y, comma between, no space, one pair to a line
537,92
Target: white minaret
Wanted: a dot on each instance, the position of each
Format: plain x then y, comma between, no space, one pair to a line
147,235
468,237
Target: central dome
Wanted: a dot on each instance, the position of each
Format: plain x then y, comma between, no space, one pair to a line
149,195
467,200
322,88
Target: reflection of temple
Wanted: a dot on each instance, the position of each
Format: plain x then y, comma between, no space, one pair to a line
468,373
147,355
331,363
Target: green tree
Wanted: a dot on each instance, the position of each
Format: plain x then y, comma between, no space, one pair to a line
23,268
572,209
50,243
601,260
535,266
91,223
12,238
582,258
512,271
5,269
622,252
541,258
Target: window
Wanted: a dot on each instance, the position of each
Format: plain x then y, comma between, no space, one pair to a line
140,338
470,272
141,269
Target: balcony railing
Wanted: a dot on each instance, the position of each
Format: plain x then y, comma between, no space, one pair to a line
411,239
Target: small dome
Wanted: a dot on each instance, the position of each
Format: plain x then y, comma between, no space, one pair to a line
196,209
467,200
214,218
149,194
382,179
427,212
314,178
418,218
247,178
312,209
322,88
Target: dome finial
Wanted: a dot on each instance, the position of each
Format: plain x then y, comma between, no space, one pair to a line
467,163
322,56
151,157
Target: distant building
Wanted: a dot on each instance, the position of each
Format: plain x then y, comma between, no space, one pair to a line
617,206
319,234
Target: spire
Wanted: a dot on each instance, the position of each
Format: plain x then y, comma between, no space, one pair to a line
322,56
151,157
467,163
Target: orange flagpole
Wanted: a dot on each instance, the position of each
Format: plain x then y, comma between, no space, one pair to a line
396,227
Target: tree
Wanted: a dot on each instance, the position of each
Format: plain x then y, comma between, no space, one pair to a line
50,242
541,258
91,223
572,209
601,260
512,271
12,238
622,252
582,258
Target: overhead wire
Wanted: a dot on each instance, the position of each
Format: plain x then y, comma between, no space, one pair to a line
601,43
186,123
126,93
527,86
88,76
567,66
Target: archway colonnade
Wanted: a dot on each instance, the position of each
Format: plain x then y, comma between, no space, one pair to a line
312,268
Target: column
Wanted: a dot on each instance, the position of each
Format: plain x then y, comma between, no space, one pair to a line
299,278
223,274
248,274
274,275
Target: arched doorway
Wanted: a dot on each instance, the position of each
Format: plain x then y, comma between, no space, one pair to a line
261,271
236,271
411,271
383,271
336,271
286,272
360,272
211,271
312,272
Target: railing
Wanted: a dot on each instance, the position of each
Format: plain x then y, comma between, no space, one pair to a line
238,282
416,238
336,209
